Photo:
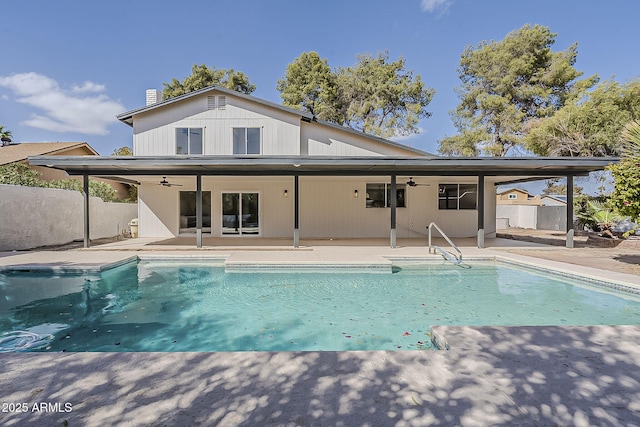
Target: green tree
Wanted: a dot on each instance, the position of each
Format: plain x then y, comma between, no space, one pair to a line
122,151
203,76
310,85
507,84
19,174
374,96
553,186
383,98
590,126
4,133
626,173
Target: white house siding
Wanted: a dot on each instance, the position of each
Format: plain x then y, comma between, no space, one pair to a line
328,208
154,131
159,206
319,140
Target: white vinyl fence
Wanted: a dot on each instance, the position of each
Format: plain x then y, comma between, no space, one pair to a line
534,217
32,217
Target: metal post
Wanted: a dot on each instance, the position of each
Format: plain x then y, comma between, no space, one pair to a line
569,242
480,211
198,211
393,203
296,211
85,189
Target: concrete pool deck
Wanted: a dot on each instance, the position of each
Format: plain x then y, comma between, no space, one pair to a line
537,376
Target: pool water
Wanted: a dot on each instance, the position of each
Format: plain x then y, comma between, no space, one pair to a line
197,306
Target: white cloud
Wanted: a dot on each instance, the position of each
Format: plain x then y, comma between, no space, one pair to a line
432,5
63,110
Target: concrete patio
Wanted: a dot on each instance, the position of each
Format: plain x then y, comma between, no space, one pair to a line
537,376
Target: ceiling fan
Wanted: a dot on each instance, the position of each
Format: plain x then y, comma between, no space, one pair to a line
166,183
412,183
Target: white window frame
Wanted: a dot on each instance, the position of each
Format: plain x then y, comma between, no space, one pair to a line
457,197
188,153
387,190
512,196
246,128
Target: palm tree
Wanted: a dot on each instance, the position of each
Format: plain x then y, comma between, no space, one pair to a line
630,138
5,135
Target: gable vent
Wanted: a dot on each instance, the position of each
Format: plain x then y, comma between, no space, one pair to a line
211,102
220,104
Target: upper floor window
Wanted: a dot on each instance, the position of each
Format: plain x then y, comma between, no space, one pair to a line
188,140
379,195
513,196
457,196
246,140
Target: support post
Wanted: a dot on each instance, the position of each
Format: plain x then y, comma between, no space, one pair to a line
85,189
569,241
393,206
198,211
480,204
296,211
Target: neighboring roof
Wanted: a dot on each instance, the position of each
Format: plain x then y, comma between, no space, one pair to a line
510,190
539,167
559,197
21,151
127,117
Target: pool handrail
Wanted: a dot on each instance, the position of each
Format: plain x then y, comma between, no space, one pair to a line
456,259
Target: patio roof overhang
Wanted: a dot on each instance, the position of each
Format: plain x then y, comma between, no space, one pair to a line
508,167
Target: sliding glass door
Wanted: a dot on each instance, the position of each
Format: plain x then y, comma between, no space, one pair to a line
188,212
240,213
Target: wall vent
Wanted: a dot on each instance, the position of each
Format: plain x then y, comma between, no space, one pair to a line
216,102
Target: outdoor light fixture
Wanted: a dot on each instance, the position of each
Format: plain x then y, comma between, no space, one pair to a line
286,194
355,193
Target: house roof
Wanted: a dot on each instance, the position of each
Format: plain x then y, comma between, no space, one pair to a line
508,168
21,151
127,117
509,190
558,197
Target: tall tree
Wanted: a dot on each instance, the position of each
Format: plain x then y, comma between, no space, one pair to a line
374,95
507,84
381,97
310,85
203,76
4,133
626,194
122,151
589,126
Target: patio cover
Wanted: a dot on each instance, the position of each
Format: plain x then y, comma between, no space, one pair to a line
503,170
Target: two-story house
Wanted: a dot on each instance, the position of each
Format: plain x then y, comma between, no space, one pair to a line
220,163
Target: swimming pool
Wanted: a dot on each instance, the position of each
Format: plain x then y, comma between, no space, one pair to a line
198,306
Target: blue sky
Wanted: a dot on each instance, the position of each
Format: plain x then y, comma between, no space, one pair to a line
68,67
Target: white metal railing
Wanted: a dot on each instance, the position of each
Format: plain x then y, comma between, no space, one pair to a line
456,259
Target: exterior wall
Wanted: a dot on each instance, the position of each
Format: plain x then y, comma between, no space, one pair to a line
159,206
328,208
154,131
318,140
33,217
534,217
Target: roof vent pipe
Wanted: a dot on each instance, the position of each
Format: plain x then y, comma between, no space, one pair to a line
153,96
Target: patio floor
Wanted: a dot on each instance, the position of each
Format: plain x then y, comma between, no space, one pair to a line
526,376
